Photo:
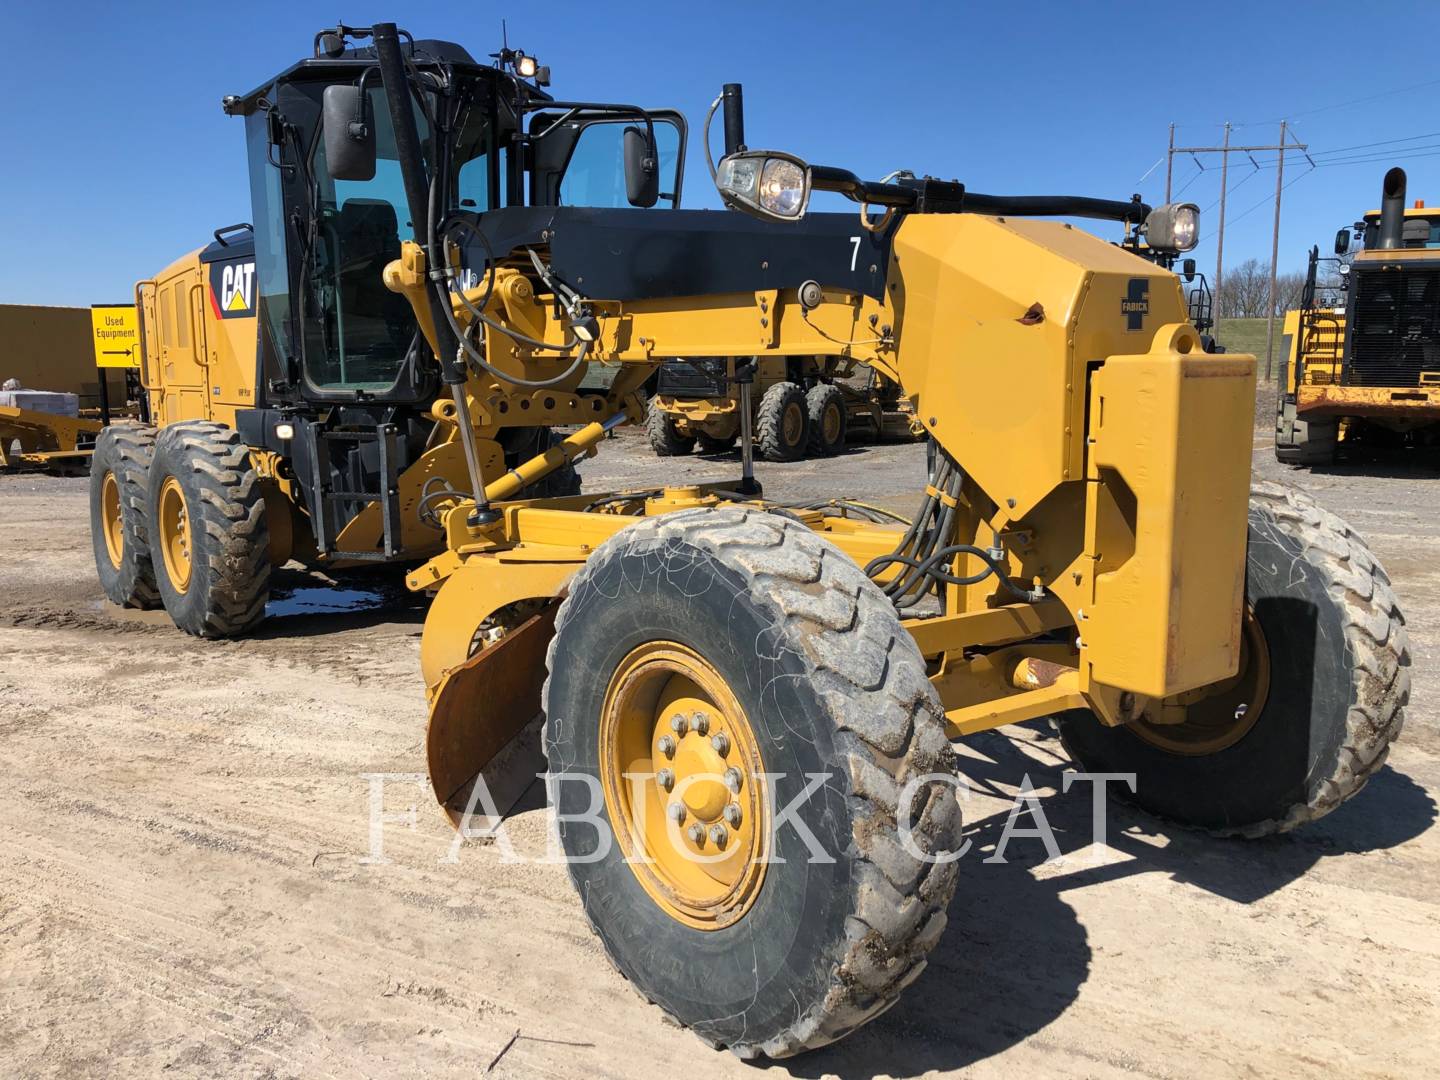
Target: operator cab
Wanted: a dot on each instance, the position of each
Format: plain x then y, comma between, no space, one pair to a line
329,329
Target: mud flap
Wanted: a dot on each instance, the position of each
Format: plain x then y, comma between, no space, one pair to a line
483,722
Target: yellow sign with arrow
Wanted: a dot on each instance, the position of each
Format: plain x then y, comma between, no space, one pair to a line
116,329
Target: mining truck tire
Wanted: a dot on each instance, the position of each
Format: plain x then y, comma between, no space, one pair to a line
118,484
798,666
825,408
209,542
782,423
1304,442
1333,689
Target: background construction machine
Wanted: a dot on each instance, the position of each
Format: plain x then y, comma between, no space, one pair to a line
747,708
803,406
1362,359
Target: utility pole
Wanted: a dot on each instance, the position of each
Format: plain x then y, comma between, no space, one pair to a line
1274,257
1220,233
1170,162
1225,150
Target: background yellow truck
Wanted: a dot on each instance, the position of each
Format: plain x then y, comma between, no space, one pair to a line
802,406
1362,368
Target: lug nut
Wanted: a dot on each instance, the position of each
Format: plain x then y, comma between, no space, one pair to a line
697,834
721,742
677,724
718,835
732,779
699,723
677,812
732,815
666,778
667,745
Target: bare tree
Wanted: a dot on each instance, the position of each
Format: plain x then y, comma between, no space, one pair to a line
1246,291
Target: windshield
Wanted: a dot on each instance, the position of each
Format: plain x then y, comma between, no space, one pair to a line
357,333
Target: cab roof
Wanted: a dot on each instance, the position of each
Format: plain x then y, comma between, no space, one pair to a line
356,59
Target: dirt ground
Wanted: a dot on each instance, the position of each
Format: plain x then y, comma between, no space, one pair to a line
184,828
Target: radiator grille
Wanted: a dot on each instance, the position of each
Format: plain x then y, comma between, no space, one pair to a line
680,379
1395,326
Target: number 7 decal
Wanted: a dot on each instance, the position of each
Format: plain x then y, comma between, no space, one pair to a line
854,252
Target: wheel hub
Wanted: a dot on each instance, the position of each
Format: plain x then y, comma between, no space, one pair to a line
681,772
173,518
110,519
1215,717
794,423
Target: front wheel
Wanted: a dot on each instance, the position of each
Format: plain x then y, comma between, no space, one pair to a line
1325,674
709,670
666,438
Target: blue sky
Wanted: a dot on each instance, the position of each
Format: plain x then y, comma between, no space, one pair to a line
118,160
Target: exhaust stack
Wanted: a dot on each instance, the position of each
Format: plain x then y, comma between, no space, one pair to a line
1392,209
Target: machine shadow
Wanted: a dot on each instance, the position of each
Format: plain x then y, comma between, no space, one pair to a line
1014,955
302,604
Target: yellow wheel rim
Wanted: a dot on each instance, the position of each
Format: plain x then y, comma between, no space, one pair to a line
681,772
173,521
1216,717
794,423
110,519
830,424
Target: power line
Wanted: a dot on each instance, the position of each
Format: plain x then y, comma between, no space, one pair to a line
1372,159
1364,146
1347,104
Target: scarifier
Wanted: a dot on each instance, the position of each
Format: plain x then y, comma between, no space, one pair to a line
748,708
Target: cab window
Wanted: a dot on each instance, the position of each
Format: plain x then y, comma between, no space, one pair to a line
595,175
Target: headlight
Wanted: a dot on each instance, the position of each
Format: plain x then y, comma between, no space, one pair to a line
765,183
1173,227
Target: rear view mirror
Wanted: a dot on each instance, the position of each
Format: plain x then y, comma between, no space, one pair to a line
1342,241
1188,269
349,135
642,168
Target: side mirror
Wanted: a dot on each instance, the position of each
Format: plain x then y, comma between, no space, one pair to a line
1188,269
1342,241
349,136
642,168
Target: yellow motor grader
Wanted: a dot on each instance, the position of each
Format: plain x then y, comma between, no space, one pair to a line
748,708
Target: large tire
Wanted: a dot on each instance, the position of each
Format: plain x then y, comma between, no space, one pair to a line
666,439
1338,681
1307,443
782,423
201,476
118,482
825,407
523,443
831,684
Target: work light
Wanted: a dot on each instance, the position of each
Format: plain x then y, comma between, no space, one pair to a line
1173,227
766,183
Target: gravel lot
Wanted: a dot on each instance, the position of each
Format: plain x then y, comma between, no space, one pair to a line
183,885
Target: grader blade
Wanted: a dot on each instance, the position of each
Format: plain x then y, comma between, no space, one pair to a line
482,723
